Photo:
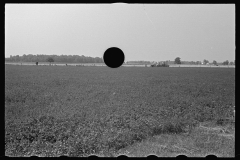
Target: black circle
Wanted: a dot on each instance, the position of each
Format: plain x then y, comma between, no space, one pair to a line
113,57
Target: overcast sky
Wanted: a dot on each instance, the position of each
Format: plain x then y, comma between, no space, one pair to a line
152,32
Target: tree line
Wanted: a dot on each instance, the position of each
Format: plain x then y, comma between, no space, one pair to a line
138,62
85,59
56,58
178,61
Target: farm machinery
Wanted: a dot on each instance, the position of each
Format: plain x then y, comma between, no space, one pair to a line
159,64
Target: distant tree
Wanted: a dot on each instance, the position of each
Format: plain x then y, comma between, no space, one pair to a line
177,60
214,62
225,62
198,62
17,58
231,63
205,61
50,60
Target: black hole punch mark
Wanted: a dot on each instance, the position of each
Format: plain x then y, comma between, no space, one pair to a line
113,57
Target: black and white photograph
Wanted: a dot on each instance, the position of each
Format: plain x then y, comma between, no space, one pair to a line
119,79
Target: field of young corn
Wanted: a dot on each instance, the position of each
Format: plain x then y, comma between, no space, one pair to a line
80,111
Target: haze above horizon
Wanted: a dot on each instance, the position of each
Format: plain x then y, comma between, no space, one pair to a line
149,32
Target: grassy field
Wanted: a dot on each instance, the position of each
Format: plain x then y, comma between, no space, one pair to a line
79,111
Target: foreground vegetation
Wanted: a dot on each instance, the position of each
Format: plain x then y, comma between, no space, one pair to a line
53,111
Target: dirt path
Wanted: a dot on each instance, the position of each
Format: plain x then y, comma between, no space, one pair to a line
204,140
